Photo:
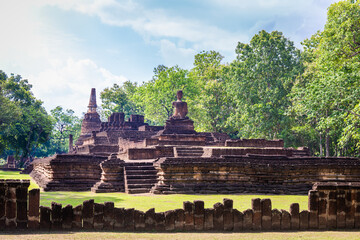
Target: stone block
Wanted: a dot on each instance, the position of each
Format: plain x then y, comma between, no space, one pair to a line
304,220
150,219
34,209
160,221
170,217
356,195
349,209
295,218
77,217
2,204
332,211
323,205
45,222
21,207
265,214
228,214
10,206
56,216
238,220
340,210
218,216
67,216
139,220
199,215
98,216
275,219
129,219
208,219
313,206
248,219
189,216
109,216
256,207
119,215
285,220
88,214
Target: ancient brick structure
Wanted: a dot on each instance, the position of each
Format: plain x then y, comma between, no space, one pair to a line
129,155
332,205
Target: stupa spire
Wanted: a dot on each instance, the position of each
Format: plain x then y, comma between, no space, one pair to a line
92,102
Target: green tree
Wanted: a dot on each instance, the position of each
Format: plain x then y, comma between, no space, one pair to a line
326,97
209,106
156,96
119,99
259,82
33,125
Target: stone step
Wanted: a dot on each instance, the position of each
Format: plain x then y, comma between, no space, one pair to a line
139,167
139,185
138,190
189,154
148,176
141,172
141,181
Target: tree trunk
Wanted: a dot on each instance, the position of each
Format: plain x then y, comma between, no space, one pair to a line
320,145
327,143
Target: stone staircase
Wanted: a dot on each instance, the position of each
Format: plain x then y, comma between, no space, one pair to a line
189,152
139,177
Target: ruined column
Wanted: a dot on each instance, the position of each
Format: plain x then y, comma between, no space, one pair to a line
71,144
209,219
218,216
21,204
119,214
67,217
199,215
98,216
139,220
56,216
77,217
294,211
45,221
150,219
323,205
108,215
2,204
238,220
188,216
340,206
275,219
34,209
88,214
266,214
285,220
356,203
349,208
170,220
10,203
256,207
304,220
313,206
248,219
332,211
228,214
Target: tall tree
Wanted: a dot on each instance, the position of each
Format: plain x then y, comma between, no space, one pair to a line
259,82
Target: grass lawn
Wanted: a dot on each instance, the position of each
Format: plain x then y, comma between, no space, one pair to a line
349,235
159,202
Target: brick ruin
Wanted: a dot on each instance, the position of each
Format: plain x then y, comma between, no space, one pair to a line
334,205
131,156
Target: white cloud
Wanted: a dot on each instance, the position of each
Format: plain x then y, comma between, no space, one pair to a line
68,83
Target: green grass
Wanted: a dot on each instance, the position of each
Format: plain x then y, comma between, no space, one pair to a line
348,235
159,202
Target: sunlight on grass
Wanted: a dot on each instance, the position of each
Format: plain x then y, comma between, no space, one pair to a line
159,202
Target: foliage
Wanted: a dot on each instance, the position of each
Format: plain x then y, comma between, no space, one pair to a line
259,82
33,126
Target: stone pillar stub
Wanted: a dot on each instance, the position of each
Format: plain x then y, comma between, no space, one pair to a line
238,220
266,214
34,209
88,214
109,216
77,217
313,206
285,220
199,213
256,207
150,219
275,219
218,216
67,217
294,212
188,216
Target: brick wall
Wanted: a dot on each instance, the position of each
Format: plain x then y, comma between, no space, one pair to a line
331,206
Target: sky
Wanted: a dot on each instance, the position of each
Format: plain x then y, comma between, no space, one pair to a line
66,47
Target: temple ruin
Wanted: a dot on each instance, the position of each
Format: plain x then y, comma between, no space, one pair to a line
133,157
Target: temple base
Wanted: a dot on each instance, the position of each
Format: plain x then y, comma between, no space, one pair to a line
179,126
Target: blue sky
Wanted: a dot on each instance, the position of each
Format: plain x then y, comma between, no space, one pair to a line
66,47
